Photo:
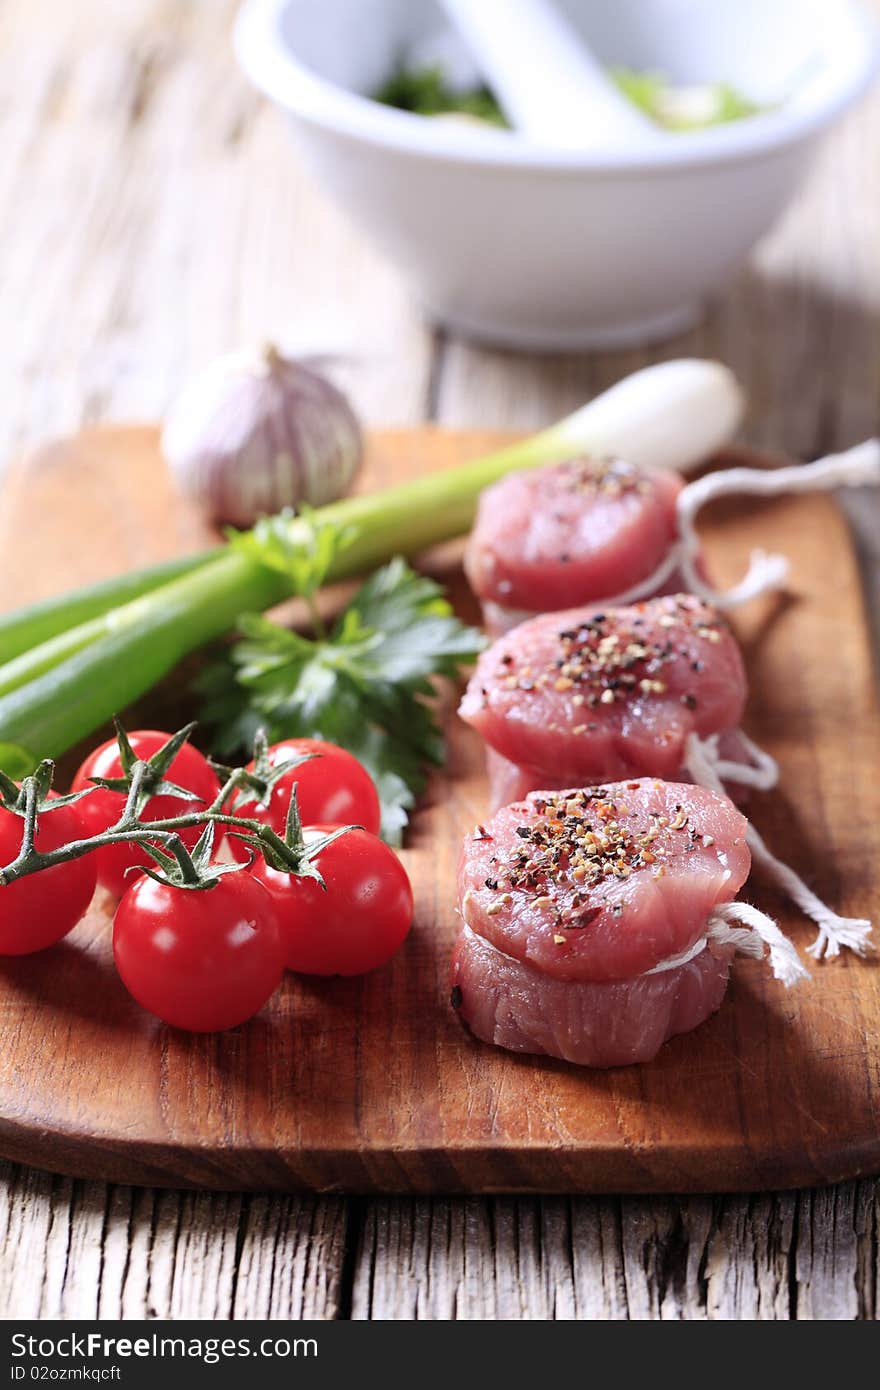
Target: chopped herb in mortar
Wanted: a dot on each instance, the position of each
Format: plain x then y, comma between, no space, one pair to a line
684,108
425,91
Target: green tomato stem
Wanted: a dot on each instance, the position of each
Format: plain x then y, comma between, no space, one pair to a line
129,829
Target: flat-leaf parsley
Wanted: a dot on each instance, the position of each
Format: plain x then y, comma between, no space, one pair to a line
366,685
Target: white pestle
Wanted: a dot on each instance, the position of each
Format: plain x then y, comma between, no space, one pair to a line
552,89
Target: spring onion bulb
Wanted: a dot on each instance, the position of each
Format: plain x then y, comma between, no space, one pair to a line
254,434
672,415
65,689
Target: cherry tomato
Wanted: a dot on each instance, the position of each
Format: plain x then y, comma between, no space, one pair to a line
199,959
38,910
101,809
358,922
331,788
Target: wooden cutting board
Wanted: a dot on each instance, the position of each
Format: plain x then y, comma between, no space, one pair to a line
371,1085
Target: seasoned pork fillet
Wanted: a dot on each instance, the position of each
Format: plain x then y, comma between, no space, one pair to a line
602,883
595,1024
589,696
572,533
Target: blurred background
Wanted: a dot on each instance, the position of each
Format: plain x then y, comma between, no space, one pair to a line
157,214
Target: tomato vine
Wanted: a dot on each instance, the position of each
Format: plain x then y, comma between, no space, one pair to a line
143,779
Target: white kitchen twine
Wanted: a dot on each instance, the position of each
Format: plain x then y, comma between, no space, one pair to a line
835,932
856,467
755,931
761,771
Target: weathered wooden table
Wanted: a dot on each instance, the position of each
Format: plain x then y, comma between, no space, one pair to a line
153,216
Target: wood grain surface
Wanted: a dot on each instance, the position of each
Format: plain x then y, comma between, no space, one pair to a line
155,215
371,1084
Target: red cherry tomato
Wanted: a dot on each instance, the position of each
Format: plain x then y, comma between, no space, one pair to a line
199,959
38,910
101,809
358,922
332,788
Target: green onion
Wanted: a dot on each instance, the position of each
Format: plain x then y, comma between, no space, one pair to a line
38,622
130,649
671,414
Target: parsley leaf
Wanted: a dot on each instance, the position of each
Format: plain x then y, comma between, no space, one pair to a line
304,553
367,686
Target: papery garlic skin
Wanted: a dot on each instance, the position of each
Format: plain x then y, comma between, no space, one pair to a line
255,433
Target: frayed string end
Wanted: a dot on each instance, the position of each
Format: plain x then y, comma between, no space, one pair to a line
835,933
757,930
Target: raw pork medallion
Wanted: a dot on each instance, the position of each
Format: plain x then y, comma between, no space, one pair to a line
585,916
591,696
573,533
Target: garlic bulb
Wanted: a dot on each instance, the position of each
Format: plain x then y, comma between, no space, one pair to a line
252,435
